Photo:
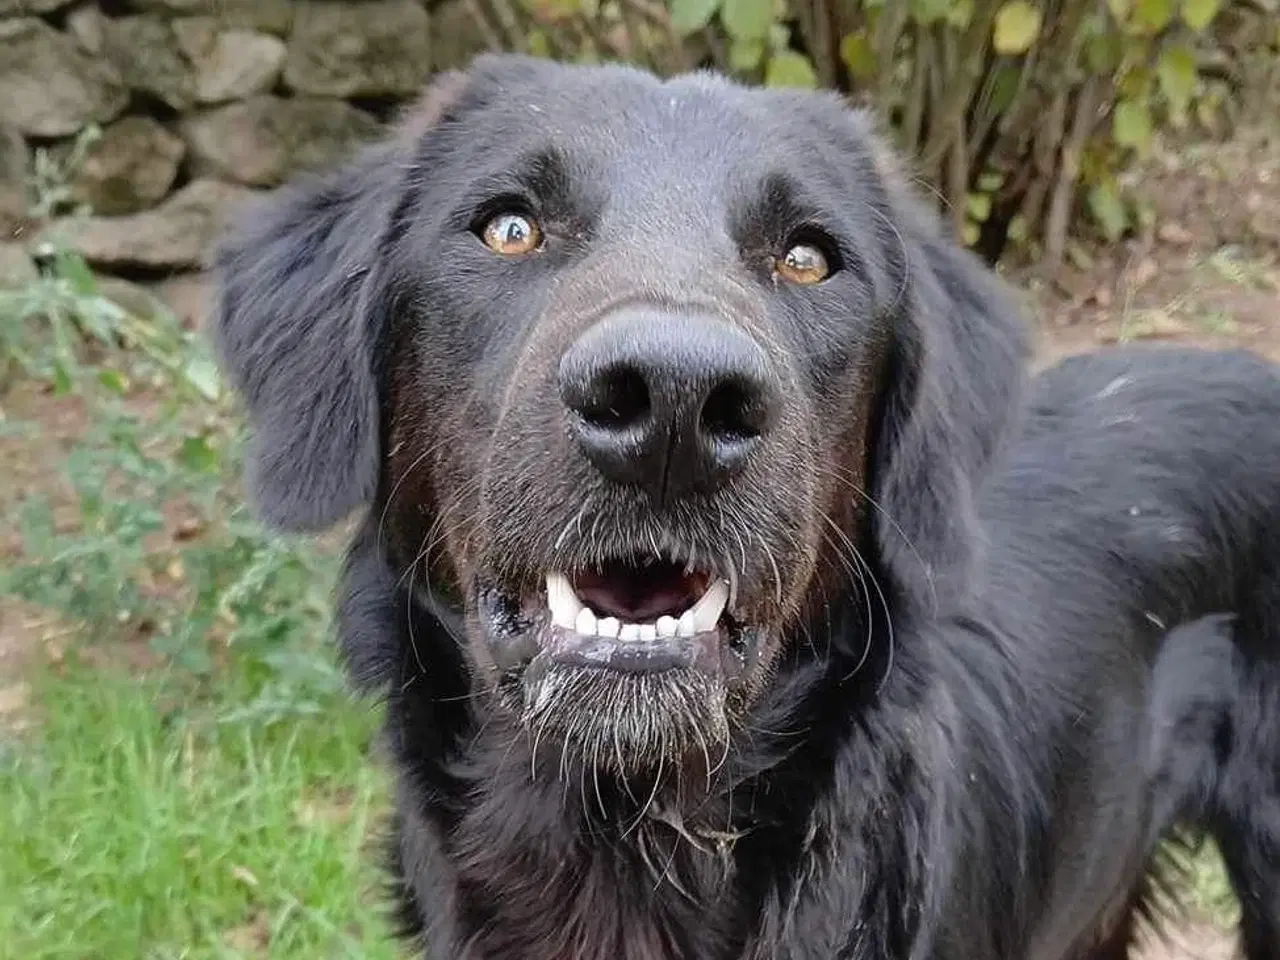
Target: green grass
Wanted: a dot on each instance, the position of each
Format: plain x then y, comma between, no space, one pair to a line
135,831
191,778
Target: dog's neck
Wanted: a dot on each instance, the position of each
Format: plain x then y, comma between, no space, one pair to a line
551,862
648,860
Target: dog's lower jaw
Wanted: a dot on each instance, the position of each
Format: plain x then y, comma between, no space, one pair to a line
627,724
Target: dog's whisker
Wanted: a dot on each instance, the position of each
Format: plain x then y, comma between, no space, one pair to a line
925,570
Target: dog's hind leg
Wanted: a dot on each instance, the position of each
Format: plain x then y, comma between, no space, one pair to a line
1244,815
1252,857
1246,819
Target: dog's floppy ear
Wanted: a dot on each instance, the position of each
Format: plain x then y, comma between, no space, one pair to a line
298,315
955,386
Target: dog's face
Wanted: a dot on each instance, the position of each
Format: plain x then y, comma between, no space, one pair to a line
620,366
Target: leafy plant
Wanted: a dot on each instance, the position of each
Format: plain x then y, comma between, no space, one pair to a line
161,545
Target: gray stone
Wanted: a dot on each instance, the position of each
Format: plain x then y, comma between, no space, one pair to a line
132,298
146,53
188,296
178,235
271,16
230,63
28,8
264,140
375,48
89,27
49,87
15,168
17,269
130,168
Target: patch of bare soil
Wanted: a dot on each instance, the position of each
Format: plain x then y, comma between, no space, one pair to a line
1198,940
1206,272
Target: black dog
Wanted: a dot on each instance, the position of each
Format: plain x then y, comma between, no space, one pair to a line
729,597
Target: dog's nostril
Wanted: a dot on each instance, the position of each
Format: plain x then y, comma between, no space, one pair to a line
730,414
620,399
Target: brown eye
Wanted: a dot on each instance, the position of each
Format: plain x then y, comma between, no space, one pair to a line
511,235
803,264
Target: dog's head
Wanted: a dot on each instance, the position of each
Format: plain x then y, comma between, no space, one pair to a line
635,375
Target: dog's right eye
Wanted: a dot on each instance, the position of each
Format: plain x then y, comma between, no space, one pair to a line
511,234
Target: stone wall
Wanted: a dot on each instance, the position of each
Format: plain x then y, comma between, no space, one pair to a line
196,103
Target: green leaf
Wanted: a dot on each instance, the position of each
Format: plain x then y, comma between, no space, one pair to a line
1198,14
1152,15
971,233
689,16
1005,80
747,19
929,11
1104,53
1177,74
61,378
745,55
1131,124
1108,211
859,55
72,268
991,181
114,381
1018,229
539,45
960,13
1016,28
790,69
1120,9
978,206
202,373
197,455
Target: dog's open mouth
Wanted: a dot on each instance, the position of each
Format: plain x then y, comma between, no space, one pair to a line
638,615
633,615
629,602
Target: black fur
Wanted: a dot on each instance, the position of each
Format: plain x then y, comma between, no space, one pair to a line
1007,642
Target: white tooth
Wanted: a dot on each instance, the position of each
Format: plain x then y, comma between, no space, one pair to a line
608,627
648,631
706,612
586,622
684,626
562,601
667,626
629,631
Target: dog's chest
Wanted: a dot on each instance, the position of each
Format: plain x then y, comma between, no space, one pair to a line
649,897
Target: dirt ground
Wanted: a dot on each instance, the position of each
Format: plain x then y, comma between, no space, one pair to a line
1206,272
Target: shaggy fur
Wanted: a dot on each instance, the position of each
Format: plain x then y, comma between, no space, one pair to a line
989,644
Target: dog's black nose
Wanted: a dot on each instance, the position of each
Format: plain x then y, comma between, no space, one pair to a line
672,403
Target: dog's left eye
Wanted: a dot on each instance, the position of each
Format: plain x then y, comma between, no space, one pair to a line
511,234
803,264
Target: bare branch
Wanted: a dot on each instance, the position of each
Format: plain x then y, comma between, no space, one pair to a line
1064,189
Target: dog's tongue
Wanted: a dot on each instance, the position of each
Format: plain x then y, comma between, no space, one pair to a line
637,594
